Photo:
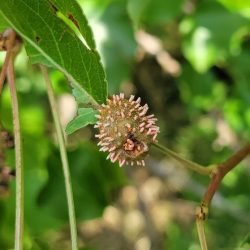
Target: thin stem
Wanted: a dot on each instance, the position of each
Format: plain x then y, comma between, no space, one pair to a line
64,158
188,164
201,233
218,173
18,158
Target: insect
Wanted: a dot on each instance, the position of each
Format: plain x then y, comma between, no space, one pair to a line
133,146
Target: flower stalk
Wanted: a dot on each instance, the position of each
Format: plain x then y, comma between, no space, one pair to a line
64,158
186,163
18,147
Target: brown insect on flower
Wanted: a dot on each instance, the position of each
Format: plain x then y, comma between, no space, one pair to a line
125,131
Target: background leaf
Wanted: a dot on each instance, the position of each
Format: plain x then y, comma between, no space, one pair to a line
95,180
204,43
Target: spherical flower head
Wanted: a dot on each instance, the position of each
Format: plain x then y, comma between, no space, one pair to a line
125,131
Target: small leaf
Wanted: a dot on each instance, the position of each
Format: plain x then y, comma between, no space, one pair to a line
85,117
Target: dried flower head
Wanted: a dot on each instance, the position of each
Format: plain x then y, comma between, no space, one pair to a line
125,131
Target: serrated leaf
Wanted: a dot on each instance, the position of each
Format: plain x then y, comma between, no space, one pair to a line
36,21
85,117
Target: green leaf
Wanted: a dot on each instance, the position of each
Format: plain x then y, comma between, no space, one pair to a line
3,24
35,56
39,25
73,12
81,96
85,117
242,6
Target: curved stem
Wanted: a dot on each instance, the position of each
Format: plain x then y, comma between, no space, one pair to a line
218,173
188,164
64,158
18,157
221,170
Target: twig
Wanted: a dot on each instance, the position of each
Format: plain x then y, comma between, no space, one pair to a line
64,158
201,213
201,233
188,164
221,170
18,156
218,173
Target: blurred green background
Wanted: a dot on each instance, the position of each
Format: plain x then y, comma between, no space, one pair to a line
189,60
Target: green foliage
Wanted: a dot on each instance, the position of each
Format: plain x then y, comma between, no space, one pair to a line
152,12
85,116
73,12
54,40
241,6
118,46
94,182
205,44
203,110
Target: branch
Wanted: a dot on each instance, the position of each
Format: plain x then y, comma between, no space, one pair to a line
218,173
221,170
